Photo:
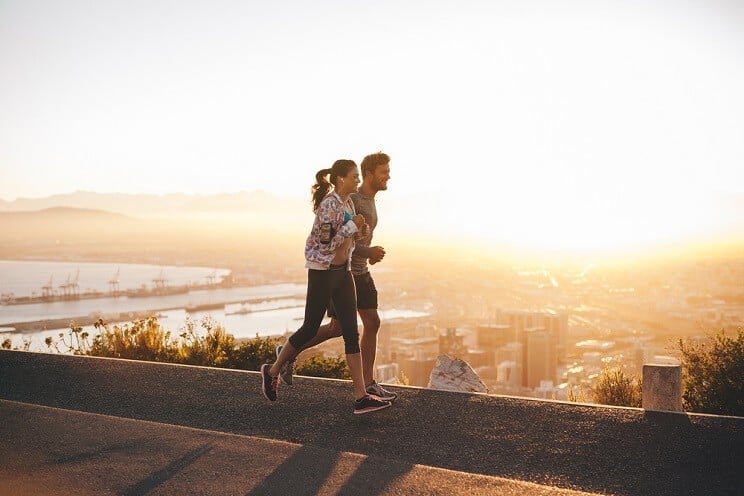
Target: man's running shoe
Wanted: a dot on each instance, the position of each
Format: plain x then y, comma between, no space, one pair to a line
269,384
369,403
287,370
381,393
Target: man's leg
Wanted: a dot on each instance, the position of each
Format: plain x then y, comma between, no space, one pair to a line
367,309
368,346
325,332
368,342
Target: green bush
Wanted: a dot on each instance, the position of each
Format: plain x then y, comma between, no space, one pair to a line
214,349
143,339
251,354
615,387
713,374
211,346
317,366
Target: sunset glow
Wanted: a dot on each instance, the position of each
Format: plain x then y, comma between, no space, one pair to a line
580,127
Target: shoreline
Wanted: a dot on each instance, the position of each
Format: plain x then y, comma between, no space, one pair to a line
27,327
73,290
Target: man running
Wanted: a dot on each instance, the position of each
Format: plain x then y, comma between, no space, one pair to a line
375,175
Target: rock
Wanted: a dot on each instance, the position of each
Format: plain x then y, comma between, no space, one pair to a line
454,374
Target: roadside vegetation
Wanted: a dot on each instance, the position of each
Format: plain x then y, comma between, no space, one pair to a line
617,387
712,371
713,374
205,344
712,377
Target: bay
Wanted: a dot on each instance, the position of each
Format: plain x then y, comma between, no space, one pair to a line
28,278
244,312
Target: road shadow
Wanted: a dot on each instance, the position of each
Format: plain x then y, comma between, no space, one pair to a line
146,485
310,468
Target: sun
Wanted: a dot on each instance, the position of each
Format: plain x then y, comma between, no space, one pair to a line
593,224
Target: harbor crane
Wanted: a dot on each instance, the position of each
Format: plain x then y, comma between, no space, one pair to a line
114,283
47,290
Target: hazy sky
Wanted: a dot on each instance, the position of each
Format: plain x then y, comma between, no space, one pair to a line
625,118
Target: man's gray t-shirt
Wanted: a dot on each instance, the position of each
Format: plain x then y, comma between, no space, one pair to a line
364,205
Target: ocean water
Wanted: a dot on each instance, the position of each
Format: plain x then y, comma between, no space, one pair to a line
27,278
265,310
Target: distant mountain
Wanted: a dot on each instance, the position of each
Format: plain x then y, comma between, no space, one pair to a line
52,213
148,205
73,233
413,220
56,221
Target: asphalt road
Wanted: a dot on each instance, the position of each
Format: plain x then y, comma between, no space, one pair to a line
425,440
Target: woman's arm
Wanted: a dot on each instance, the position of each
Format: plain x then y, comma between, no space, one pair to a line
329,224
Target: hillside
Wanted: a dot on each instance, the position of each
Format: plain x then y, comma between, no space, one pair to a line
231,227
65,233
149,205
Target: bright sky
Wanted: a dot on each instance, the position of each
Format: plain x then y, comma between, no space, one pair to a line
570,124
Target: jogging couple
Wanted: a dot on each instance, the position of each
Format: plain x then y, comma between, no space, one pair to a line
337,253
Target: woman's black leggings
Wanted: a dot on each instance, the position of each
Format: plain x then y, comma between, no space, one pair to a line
324,286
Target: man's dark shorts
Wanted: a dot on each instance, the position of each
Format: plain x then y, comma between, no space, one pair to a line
366,293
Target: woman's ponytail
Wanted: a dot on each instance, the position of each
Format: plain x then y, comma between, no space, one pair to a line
321,187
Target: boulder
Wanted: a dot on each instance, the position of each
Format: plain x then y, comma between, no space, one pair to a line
454,374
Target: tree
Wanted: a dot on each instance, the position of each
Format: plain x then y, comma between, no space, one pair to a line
615,387
713,374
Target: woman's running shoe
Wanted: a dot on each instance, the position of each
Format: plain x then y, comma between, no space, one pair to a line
269,384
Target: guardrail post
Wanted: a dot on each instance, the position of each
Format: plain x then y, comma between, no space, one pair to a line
662,387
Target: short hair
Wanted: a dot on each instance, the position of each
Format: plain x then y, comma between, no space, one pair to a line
370,162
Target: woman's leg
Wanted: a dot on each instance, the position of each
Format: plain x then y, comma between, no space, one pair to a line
316,304
344,301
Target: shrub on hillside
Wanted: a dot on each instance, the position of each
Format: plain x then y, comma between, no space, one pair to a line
251,354
713,374
211,346
143,339
318,366
616,387
213,349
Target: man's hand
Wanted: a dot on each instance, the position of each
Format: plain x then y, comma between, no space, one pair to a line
358,219
376,254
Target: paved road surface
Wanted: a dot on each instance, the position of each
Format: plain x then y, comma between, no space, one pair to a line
163,421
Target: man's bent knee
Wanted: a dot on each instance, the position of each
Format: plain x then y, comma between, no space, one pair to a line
330,330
